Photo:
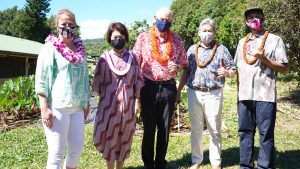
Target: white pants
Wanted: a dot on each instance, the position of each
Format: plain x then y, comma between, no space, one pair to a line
205,106
68,127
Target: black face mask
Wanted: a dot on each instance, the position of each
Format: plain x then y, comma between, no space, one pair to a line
118,43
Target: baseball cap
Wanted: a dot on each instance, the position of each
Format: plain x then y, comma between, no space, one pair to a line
253,9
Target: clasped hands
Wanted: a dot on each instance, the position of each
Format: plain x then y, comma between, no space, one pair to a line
259,54
172,67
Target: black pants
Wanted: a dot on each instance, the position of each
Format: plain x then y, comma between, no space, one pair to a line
157,104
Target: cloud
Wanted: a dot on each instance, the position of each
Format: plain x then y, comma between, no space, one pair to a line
91,29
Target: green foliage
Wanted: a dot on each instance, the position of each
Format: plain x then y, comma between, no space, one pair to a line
29,22
184,12
282,19
6,17
136,28
26,147
91,69
18,98
93,46
52,25
35,19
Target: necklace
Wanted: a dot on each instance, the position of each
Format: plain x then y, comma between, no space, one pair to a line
72,57
113,68
210,58
254,59
155,46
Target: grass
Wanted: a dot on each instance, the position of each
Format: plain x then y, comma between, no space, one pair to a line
25,147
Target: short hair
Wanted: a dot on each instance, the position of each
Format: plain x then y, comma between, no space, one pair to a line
67,12
209,21
116,26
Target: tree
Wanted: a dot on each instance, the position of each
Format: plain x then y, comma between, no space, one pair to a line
136,28
31,21
51,24
6,16
183,13
283,18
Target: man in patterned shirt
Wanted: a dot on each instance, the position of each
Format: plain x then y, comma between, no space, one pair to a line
258,57
161,55
209,64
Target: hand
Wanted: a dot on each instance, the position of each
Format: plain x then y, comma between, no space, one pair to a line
47,116
259,54
222,71
137,106
86,112
172,67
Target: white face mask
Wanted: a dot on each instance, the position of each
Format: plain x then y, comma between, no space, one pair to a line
206,37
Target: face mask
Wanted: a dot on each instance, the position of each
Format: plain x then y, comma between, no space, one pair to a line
162,26
255,23
206,37
118,43
66,32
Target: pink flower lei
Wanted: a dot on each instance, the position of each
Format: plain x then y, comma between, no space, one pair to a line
68,54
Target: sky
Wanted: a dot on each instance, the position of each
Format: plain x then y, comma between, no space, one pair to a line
94,16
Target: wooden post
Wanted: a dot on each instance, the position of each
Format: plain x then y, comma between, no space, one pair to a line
178,118
26,67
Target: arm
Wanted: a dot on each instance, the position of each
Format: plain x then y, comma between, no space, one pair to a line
279,62
280,67
182,59
223,72
43,77
46,113
137,49
183,79
86,109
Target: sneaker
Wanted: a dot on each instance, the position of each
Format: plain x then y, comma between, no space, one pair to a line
216,167
195,166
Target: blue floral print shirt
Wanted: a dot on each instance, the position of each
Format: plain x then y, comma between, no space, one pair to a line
207,77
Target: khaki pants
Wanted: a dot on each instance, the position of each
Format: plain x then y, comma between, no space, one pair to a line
205,106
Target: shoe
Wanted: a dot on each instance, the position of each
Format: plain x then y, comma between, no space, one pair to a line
195,166
216,167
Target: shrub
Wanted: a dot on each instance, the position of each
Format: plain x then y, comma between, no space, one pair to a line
18,98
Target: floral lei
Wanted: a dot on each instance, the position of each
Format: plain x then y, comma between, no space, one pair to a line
155,47
68,54
113,68
252,61
211,56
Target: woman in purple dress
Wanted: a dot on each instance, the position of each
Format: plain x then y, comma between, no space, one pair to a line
117,81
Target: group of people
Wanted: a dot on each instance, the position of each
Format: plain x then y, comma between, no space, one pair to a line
143,80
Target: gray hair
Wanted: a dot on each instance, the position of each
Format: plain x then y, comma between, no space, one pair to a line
209,21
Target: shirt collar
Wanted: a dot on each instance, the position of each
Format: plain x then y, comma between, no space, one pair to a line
259,35
210,45
124,53
157,34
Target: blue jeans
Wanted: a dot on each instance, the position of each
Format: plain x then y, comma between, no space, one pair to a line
263,115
